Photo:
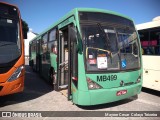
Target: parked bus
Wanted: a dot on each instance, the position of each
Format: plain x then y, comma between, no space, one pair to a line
93,53
150,41
11,50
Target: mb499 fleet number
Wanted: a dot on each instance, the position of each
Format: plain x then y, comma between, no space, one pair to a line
106,78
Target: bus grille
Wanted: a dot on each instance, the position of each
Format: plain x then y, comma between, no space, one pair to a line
129,83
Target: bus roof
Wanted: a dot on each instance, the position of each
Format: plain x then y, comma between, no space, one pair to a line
148,25
76,10
8,4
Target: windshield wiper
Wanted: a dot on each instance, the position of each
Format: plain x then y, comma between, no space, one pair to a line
106,38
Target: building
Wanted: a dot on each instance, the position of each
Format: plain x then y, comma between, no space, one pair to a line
30,36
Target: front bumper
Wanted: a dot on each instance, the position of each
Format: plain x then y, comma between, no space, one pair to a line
12,87
101,96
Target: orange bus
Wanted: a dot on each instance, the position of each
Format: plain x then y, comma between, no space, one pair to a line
11,50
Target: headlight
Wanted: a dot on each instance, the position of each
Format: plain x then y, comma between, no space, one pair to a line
92,85
16,74
139,79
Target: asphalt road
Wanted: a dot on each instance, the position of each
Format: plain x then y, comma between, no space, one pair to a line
39,96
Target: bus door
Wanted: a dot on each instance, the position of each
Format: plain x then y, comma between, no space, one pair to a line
63,59
68,66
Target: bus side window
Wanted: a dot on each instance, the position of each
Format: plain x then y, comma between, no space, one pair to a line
44,50
52,46
44,47
54,49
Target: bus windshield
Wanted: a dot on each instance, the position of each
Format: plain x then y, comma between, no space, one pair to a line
110,42
9,40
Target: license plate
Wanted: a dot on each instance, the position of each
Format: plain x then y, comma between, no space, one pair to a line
121,92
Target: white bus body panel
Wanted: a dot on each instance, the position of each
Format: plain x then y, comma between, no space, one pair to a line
151,72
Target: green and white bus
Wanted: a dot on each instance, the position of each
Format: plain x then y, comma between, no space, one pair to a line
94,54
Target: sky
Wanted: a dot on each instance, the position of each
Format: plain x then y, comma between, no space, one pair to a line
40,14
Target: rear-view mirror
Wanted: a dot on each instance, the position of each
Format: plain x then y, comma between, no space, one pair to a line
25,29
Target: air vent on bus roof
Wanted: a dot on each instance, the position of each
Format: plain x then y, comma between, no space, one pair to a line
156,18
